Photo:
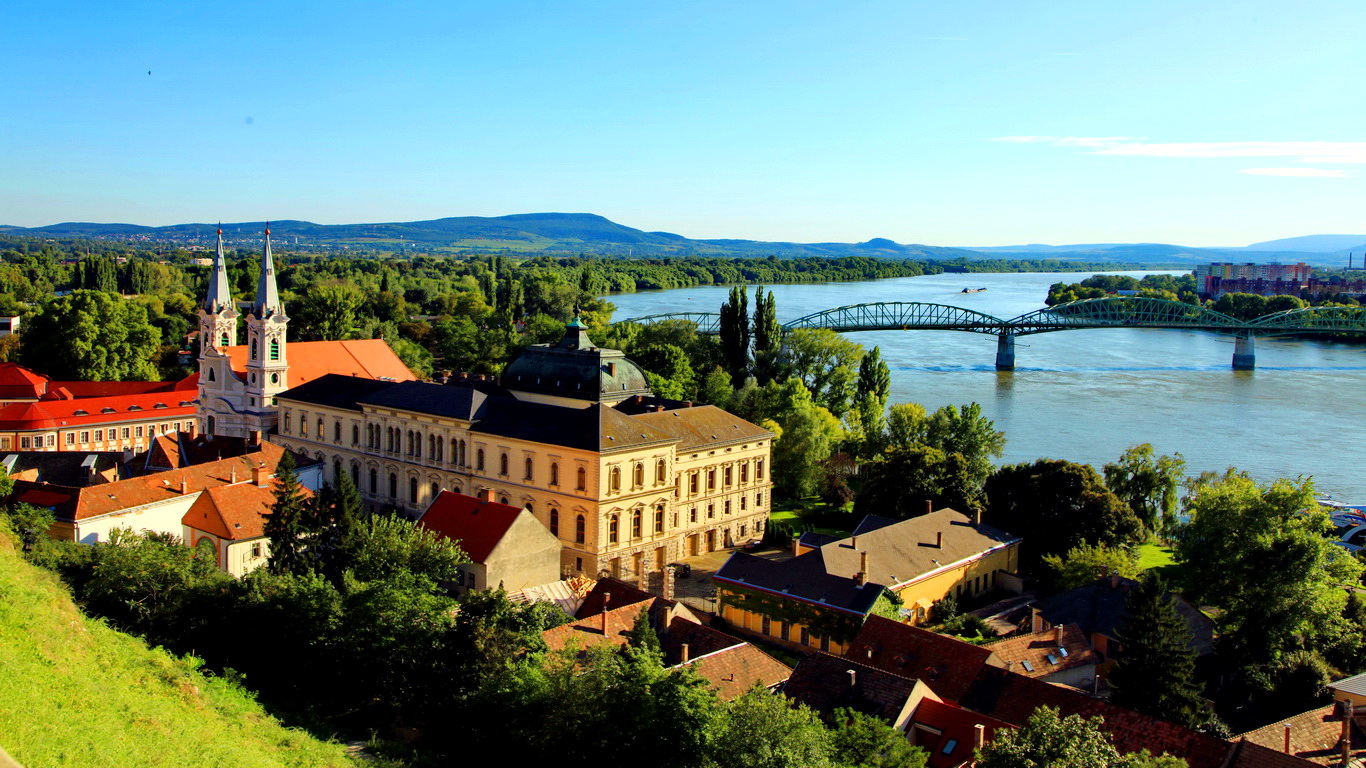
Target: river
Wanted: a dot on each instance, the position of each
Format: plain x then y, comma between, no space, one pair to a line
1087,395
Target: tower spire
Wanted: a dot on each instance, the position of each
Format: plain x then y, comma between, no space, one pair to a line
267,294
219,294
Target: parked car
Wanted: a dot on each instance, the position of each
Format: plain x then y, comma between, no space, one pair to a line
681,570
752,545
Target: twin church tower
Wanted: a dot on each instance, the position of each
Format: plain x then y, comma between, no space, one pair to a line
238,384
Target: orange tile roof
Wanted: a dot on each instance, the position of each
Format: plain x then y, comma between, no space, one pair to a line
1315,736
736,669
586,633
95,411
94,501
476,525
234,512
1037,647
309,360
946,664
954,724
623,594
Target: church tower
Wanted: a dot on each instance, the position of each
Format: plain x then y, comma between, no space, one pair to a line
217,332
267,362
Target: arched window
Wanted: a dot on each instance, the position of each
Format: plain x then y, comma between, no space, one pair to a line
321,430
582,484
288,419
612,530
660,471
210,430
578,530
224,340
211,376
659,519
355,474
374,481
554,474
529,466
555,521
336,432
479,459
274,349
417,444
504,501
355,435
503,464
412,490
635,524
336,469
431,447
436,489
638,475
393,485
616,479
253,349
455,451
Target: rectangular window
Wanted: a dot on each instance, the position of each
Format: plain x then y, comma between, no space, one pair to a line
728,506
692,515
99,435
25,442
256,549
711,479
728,474
52,441
692,483
85,437
742,503
782,629
805,637
125,433
138,430
766,626
711,511
759,470
70,438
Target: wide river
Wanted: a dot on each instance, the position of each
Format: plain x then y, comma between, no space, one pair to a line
1087,395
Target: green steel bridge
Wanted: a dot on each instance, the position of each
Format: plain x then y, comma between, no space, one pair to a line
1109,312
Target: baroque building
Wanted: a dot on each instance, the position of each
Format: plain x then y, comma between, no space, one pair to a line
626,481
238,383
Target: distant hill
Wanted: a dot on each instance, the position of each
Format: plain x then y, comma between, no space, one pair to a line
75,692
532,233
1313,244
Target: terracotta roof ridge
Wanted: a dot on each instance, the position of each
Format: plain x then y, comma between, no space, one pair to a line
738,644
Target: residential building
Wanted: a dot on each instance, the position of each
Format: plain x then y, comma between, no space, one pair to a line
820,598
1214,280
40,414
628,482
238,383
1331,735
229,520
1058,655
507,546
827,683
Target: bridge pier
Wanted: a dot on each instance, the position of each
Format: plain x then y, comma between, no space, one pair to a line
1005,352
1244,352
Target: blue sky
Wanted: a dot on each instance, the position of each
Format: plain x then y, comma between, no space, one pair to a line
969,123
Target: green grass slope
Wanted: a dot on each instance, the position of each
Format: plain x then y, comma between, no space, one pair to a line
74,692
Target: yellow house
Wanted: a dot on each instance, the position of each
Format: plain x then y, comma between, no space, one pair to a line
820,598
626,481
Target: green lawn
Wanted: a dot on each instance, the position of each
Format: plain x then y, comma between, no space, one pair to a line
74,692
1160,558
814,515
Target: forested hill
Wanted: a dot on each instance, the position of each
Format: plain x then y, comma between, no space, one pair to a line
526,233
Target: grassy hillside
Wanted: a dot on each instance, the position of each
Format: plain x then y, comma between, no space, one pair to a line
74,692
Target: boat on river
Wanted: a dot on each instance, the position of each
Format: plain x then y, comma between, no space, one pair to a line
972,290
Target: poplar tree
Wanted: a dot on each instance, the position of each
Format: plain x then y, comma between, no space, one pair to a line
767,336
285,527
735,334
1155,672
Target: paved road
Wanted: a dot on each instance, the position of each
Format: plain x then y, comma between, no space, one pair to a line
697,590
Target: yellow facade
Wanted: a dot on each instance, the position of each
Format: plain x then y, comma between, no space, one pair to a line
971,578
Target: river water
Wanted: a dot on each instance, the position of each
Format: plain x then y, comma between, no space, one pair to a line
1087,395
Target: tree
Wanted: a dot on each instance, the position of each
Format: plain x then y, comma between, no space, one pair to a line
715,388
1148,484
826,363
899,484
808,435
1069,742
863,741
1155,671
905,425
287,527
874,377
735,334
1263,555
763,730
966,431
668,362
1085,563
1056,506
328,311
335,516
768,336
92,336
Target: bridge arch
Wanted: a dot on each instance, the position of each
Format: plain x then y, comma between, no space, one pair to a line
1311,320
1123,312
707,322
899,316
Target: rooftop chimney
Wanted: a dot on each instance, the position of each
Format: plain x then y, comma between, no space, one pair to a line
254,439
1035,620
194,429
260,475
862,576
184,486
977,518
232,473
1114,579
979,736
1346,732
1287,738
486,494
929,506
683,653
1057,634
853,678
606,602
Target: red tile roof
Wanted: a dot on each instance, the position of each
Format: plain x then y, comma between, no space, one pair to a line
94,411
621,592
1247,754
586,633
476,525
826,683
1315,735
309,360
96,500
1037,647
16,381
954,724
234,512
946,664
736,669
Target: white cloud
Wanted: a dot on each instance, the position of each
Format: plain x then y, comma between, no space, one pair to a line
1317,172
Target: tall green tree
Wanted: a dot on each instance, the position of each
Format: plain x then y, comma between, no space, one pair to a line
898,484
735,334
92,336
288,526
807,435
1264,555
768,336
329,310
1148,483
860,740
1056,506
827,363
874,377
1155,671
966,431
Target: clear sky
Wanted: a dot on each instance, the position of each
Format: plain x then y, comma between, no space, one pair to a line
979,122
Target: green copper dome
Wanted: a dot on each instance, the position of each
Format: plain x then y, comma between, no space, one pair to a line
576,368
